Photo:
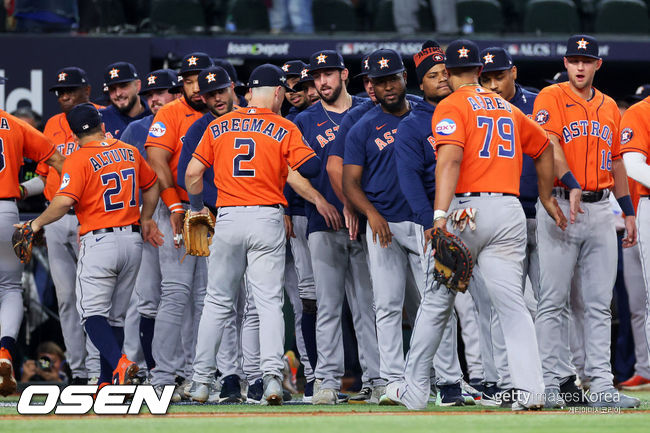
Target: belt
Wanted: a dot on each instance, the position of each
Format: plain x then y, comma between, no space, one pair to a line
8,199
277,206
133,227
587,196
485,194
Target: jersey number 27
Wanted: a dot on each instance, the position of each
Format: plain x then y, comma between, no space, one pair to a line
116,180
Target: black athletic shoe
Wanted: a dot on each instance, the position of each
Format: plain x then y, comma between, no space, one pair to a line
571,394
230,390
507,398
255,391
451,395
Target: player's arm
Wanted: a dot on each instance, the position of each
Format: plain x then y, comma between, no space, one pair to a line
335,173
563,172
59,206
194,185
450,157
150,231
622,194
544,166
159,160
56,161
304,189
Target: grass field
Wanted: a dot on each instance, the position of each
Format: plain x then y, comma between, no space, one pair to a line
294,418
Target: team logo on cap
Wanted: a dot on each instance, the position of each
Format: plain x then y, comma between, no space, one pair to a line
210,77
542,117
283,79
158,129
582,44
383,63
285,67
115,73
446,127
151,80
489,58
365,64
438,57
304,73
192,61
626,135
321,58
62,76
65,181
463,52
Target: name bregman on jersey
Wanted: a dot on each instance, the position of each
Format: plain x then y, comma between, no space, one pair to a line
585,128
252,124
112,156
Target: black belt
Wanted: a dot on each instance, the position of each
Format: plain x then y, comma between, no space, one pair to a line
8,199
485,194
587,196
277,206
134,228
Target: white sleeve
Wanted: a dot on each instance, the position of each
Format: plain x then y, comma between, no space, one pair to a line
637,168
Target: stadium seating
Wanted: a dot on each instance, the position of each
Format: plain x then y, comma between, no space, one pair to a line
383,20
249,15
333,16
622,16
551,16
486,15
177,16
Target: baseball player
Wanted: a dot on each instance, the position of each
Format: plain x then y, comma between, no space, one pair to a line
586,123
142,310
299,100
335,252
101,180
18,140
250,149
121,80
479,138
181,282
71,88
635,139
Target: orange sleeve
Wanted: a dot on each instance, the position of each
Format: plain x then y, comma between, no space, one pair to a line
546,111
162,132
634,135
205,151
73,179
37,146
533,138
146,176
42,169
295,149
448,124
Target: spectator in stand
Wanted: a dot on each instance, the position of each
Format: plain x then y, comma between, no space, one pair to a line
48,365
405,14
290,16
45,16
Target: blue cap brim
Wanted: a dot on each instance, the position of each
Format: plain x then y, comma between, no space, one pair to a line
387,74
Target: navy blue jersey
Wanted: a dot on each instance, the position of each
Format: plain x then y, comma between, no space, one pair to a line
319,129
370,144
415,160
136,133
116,122
528,193
293,112
191,140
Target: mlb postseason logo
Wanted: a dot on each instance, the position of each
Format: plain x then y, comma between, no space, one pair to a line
78,400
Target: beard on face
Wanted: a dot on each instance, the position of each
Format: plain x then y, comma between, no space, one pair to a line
129,106
198,106
393,106
213,109
336,91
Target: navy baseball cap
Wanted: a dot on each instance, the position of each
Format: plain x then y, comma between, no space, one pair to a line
462,53
160,79
268,75
120,72
582,45
365,66
326,59
642,92
495,59
559,77
232,72
83,117
293,68
195,62
384,62
213,78
69,77
305,77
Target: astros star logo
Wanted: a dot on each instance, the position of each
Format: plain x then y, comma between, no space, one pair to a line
321,58
463,52
62,76
151,80
365,64
115,73
285,67
192,61
383,63
582,44
303,73
210,77
489,58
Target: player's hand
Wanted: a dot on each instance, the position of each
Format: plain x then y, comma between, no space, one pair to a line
554,211
630,232
428,235
380,229
288,227
351,222
176,219
330,213
151,233
29,369
575,195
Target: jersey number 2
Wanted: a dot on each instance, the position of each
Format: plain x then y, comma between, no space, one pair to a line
237,171
506,132
107,178
2,155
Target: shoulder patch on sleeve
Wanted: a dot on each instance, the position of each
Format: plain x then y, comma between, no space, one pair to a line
626,135
446,127
65,181
542,117
158,129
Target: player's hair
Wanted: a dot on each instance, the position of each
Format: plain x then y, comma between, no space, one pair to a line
95,130
263,91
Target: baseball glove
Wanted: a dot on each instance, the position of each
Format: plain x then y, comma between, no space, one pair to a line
23,239
454,263
197,233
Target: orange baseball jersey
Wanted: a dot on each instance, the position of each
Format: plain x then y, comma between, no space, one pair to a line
168,132
250,149
493,133
104,178
588,132
18,140
635,134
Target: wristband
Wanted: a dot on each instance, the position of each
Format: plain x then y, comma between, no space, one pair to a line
439,214
170,197
570,181
196,202
626,205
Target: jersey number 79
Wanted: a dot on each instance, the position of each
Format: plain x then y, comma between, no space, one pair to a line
505,131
